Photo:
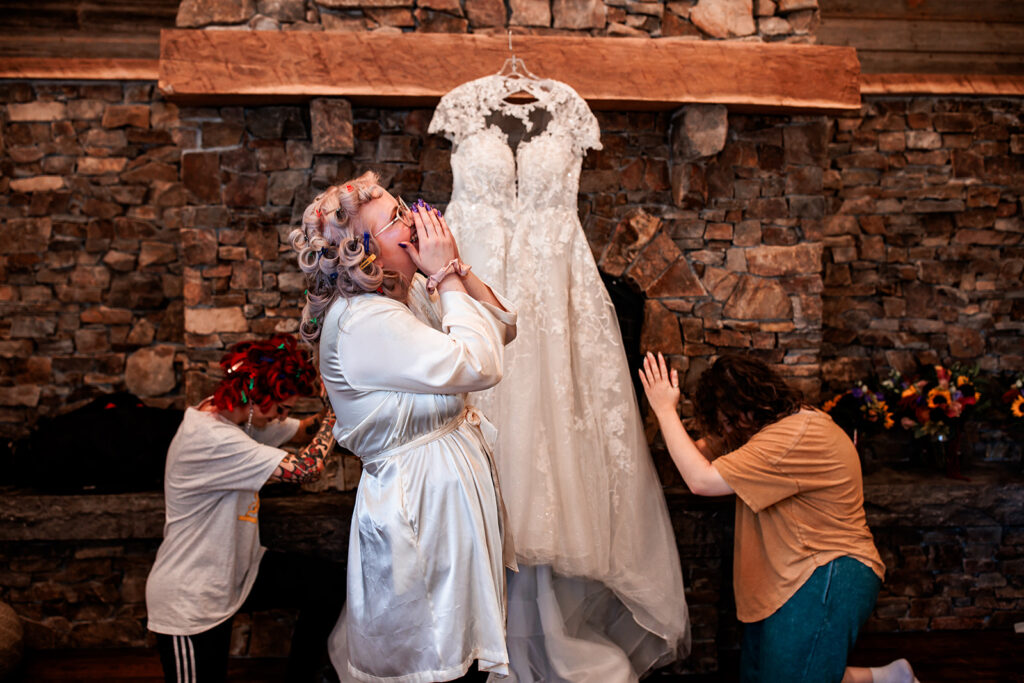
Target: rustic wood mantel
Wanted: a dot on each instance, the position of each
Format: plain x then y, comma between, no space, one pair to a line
416,69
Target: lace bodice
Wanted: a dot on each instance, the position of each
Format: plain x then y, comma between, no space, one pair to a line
573,462
542,170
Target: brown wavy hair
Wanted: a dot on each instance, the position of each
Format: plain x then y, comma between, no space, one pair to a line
739,396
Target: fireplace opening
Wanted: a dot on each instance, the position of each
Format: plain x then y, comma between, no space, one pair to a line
629,309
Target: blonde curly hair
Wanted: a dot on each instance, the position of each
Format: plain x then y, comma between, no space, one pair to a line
332,246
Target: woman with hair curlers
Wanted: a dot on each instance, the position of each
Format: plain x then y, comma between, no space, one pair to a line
398,352
806,572
210,561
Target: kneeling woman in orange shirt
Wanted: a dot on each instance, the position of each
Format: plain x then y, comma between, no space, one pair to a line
806,572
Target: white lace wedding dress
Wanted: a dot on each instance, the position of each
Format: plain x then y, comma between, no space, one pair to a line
599,598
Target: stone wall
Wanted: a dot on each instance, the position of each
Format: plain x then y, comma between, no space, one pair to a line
953,550
74,567
90,265
760,20
139,238
924,244
726,249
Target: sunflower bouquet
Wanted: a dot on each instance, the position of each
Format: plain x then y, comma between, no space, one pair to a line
861,411
1013,399
935,404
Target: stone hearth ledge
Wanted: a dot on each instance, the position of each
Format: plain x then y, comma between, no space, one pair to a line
319,522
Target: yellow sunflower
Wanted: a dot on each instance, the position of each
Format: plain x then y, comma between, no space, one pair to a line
1017,408
962,380
939,397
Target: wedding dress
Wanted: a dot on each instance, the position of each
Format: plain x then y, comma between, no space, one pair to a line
599,595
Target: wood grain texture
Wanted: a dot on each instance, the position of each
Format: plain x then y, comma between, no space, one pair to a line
80,69
928,36
84,29
418,68
943,10
923,35
941,84
79,45
897,61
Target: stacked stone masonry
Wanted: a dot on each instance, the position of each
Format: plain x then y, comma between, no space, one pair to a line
139,238
74,567
760,20
924,242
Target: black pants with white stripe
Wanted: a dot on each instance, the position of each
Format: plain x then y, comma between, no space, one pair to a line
196,659
315,586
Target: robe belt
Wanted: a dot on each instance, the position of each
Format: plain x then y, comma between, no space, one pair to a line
490,436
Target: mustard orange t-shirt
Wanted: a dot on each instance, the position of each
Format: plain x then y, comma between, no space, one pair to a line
799,505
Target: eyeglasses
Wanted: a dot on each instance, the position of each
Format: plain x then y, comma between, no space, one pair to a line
403,213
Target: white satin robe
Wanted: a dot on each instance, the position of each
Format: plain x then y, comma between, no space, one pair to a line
426,581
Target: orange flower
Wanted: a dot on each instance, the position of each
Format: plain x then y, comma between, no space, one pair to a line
910,392
939,398
1017,408
889,422
831,403
962,380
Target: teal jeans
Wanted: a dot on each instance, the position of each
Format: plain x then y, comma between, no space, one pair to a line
807,640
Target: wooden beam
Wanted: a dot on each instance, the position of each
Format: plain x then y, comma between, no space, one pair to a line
941,84
899,61
78,45
414,69
940,10
923,35
80,69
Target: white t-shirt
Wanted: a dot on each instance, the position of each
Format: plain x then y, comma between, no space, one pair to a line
207,562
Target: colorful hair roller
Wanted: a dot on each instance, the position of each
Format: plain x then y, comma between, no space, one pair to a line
367,261
366,242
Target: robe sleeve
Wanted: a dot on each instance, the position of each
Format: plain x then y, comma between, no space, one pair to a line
428,308
383,346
